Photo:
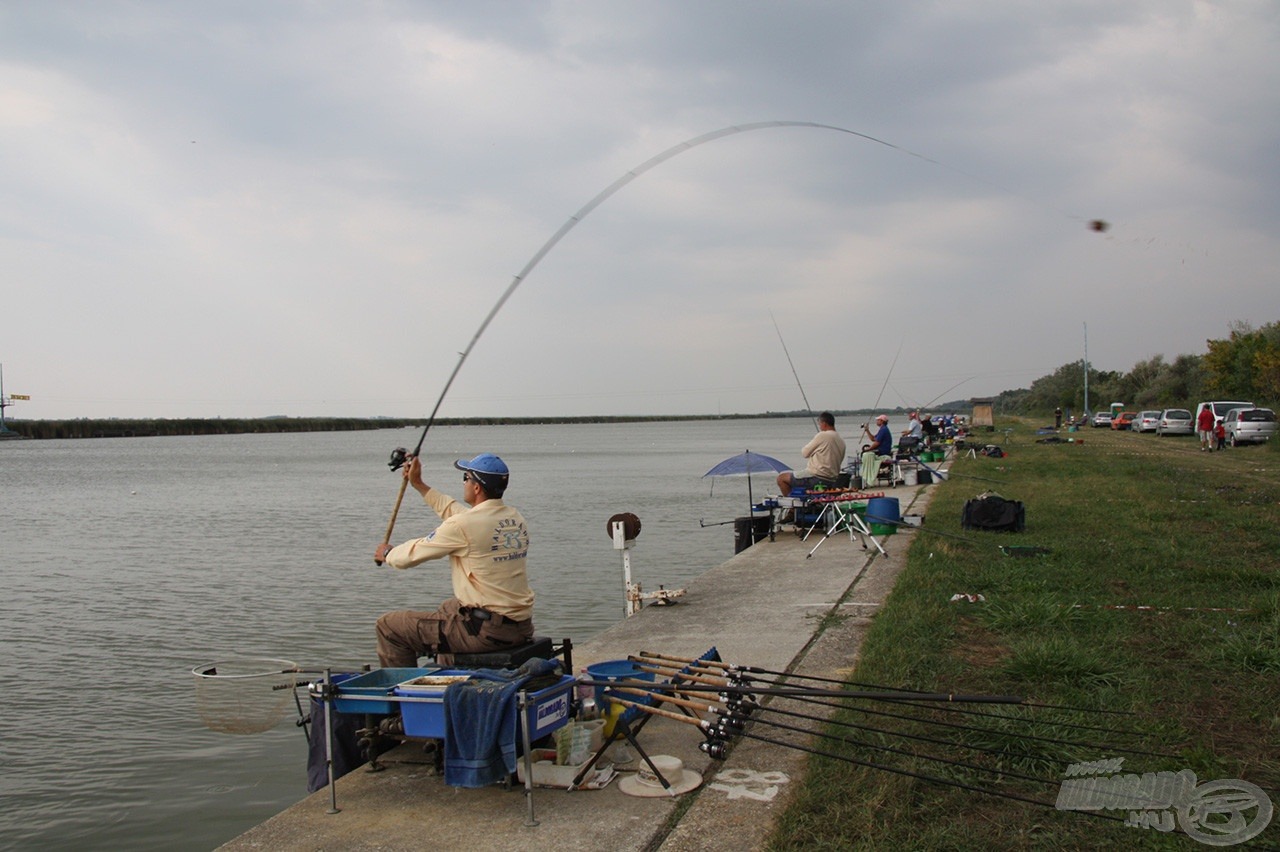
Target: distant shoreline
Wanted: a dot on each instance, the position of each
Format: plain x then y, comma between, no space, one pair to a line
139,428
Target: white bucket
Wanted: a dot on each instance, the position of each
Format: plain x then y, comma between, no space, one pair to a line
909,476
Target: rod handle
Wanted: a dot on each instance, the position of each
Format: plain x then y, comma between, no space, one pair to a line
391,524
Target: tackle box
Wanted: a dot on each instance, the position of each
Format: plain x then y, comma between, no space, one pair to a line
375,683
546,709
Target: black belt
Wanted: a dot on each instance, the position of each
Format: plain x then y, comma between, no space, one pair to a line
484,615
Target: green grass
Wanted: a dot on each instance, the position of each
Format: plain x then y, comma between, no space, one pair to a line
1158,596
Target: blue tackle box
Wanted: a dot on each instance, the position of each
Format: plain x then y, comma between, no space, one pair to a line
546,709
378,682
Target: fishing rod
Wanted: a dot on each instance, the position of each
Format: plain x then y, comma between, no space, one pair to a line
735,667
716,747
569,225
876,405
728,712
906,697
807,407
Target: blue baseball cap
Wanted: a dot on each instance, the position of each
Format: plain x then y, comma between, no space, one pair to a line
489,470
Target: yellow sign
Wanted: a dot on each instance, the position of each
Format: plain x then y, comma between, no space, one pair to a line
18,396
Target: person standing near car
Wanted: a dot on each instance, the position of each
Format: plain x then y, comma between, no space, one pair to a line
1204,425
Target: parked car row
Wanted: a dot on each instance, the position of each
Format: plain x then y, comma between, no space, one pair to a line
1243,422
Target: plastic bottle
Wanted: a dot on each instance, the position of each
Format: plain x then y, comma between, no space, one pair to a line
586,695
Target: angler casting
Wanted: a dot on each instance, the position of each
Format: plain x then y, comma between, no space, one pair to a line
487,545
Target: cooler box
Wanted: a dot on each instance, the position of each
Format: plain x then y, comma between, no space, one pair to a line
424,716
377,682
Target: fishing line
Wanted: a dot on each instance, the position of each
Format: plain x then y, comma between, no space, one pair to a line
883,386
596,201
807,407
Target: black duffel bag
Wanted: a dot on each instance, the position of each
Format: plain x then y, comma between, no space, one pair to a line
992,512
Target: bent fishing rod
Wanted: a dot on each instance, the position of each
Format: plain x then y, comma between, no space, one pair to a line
399,457
572,222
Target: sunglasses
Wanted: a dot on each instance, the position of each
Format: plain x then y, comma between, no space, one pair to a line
466,477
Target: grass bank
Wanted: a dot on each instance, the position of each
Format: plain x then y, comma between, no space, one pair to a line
1158,600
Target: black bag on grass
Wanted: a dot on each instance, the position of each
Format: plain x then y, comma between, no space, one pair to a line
992,512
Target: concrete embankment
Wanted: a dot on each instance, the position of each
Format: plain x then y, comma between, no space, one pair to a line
771,606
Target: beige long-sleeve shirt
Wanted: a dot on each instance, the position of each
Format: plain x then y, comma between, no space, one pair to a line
825,454
487,546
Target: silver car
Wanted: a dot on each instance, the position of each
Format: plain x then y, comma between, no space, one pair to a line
1175,421
1146,421
1249,425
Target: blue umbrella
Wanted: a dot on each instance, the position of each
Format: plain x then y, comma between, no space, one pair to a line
745,464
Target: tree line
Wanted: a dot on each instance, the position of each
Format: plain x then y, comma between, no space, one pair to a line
1245,365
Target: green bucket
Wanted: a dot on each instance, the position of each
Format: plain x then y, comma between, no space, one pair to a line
882,529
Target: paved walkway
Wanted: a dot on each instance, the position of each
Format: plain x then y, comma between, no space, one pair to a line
762,608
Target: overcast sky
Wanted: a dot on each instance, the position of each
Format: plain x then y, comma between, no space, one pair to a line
246,209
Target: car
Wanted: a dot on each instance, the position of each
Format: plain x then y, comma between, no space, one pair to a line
1123,420
1175,421
1249,425
1146,421
1101,419
1220,408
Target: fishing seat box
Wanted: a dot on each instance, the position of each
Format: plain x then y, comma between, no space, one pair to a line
423,715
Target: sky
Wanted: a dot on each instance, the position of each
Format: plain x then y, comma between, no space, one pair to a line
249,209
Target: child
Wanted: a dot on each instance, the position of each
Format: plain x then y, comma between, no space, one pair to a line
1220,436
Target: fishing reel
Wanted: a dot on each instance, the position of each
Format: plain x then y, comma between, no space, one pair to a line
398,457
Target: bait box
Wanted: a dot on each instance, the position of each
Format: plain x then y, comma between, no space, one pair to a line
378,682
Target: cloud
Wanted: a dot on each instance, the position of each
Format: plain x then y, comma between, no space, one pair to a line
246,210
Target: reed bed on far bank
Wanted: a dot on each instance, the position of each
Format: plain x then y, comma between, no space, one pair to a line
1157,600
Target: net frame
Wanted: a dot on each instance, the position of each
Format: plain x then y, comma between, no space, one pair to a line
246,695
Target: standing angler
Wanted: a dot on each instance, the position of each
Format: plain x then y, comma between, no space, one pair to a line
487,545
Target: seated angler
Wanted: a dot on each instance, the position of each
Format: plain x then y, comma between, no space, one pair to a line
825,454
487,545
879,449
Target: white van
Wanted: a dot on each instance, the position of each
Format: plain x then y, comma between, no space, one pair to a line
1220,409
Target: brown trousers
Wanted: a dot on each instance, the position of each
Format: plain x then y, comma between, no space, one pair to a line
405,635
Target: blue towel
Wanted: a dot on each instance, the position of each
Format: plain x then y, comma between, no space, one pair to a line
480,717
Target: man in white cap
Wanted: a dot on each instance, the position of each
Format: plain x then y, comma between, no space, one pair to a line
487,545
879,448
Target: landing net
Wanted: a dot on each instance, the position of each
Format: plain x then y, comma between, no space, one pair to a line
244,696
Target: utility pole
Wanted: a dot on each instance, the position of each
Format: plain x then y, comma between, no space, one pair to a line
1086,366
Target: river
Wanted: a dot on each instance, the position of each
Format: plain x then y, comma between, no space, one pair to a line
126,562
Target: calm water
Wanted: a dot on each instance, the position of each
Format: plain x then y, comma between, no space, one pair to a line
126,562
